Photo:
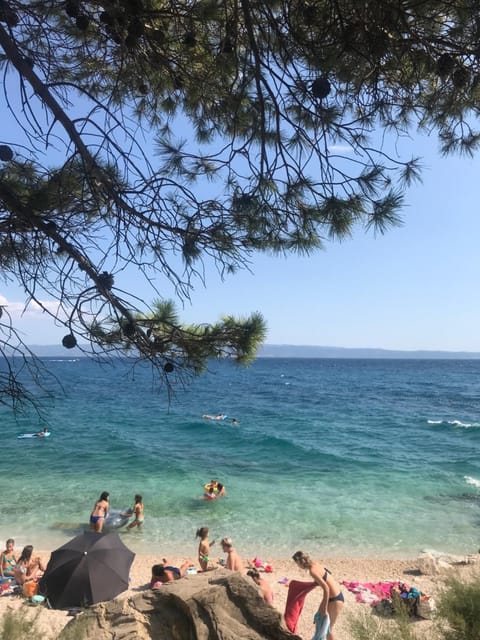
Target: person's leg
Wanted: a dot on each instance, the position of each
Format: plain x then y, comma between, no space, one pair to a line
334,608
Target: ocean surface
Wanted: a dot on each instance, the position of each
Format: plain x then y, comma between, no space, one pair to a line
356,458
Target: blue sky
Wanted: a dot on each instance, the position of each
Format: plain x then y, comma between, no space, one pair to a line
416,287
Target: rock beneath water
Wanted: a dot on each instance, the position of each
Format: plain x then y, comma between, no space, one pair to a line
218,605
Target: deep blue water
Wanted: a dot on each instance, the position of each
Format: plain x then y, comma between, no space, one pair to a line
340,457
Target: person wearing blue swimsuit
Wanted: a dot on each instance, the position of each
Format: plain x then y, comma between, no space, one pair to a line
333,599
99,513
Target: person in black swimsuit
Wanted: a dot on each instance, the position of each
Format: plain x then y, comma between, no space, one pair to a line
167,573
333,599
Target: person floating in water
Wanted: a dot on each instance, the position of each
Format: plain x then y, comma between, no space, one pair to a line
42,433
219,416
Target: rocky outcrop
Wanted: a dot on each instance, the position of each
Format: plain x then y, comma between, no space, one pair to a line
213,606
432,563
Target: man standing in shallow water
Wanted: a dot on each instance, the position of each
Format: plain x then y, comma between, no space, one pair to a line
234,562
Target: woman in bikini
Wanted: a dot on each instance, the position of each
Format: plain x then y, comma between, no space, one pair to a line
137,511
8,561
332,602
28,568
99,513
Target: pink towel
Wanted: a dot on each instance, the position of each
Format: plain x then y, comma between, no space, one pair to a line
370,592
296,596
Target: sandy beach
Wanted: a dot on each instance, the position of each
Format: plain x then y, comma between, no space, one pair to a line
364,570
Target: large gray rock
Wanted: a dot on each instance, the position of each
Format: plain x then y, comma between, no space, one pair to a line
213,606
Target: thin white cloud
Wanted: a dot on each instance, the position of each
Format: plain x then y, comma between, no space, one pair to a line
18,310
340,148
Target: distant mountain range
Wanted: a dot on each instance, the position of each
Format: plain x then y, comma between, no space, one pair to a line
306,351
299,351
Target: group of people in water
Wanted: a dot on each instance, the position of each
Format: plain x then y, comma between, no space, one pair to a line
100,512
332,596
214,489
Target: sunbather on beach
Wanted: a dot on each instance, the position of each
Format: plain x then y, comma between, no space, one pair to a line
234,562
8,561
204,548
333,600
28,568
264,585
165,572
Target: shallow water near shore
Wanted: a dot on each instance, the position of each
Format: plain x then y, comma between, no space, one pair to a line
343,458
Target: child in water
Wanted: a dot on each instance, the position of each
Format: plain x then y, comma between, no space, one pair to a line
204,547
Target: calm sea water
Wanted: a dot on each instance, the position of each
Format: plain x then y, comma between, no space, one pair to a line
338,457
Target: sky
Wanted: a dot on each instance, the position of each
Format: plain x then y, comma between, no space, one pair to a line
414,288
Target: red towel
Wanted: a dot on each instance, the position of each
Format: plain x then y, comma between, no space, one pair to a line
296,595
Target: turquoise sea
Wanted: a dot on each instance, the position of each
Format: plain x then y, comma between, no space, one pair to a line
338,457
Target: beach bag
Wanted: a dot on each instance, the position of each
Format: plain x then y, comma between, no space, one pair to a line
30,588
384,608
425,607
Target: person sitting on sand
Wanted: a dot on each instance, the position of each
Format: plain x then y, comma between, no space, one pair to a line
137,510
8,560
165,572
28,568
99,513
264,585
204,548
333,600
234,562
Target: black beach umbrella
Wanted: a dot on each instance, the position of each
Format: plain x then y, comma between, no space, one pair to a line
93,567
